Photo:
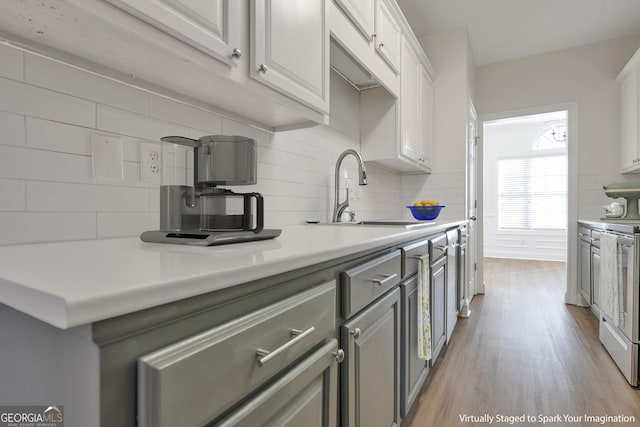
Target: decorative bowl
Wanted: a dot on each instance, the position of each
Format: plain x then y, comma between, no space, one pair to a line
424,213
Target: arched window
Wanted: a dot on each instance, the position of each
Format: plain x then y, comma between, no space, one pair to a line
553,137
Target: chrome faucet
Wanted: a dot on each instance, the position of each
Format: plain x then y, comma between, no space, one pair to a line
339,207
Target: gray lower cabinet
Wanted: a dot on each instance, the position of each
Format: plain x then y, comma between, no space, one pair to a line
307,395
370,373
196,380
414,370
595,280
438,307
584,260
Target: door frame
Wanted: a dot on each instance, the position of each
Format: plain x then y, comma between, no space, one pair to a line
572,290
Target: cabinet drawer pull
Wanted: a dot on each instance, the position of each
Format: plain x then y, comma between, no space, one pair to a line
356,333
265,356
387,278
339,355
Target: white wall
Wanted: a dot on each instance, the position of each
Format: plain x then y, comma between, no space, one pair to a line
584,74
48,111
506,140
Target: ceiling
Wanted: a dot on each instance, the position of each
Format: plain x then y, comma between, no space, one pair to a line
501,30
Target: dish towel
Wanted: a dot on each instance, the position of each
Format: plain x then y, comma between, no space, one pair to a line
424,307
610,277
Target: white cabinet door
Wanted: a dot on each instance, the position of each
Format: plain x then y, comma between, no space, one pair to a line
630,121
425,124
212,26
388,35
361,13
290,49
409,103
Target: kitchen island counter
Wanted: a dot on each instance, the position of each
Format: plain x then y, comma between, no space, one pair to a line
67,284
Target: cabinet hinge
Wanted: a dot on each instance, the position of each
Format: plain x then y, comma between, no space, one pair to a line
475,266
477,139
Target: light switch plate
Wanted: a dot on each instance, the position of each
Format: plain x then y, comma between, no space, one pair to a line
107,156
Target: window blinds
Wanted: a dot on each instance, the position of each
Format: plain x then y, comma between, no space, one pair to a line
532,193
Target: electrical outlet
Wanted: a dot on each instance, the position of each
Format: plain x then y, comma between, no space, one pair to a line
150,161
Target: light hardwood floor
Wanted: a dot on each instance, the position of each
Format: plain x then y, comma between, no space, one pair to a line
524,351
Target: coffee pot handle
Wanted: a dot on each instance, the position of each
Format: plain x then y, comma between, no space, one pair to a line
259,212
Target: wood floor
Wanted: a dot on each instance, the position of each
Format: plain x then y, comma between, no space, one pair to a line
524,351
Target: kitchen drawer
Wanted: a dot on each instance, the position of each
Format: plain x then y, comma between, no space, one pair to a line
584,232
364,283
410,255
195,380
306,395
437,247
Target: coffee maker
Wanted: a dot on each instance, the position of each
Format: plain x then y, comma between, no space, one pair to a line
194,209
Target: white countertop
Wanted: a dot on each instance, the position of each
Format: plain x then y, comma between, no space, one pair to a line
68,284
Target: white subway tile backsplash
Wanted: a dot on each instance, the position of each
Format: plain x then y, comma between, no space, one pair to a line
12,195
12,129
185,115
61,137
31,227
25,163
63,78
64,138
134,125
46,180
21,98
154,200
63,197
272,156
11,63
126,224
272,172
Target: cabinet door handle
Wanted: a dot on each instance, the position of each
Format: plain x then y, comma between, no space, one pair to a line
264,356
387,278
418,257
356,333
236,53
339,355
263,68
381,45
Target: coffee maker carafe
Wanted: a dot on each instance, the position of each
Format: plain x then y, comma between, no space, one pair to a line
194,209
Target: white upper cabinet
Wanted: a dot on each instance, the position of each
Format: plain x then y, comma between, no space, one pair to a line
212,26
361,13
629,80
409,103
425,127
290,49
416,108
197,51
388,38
398,132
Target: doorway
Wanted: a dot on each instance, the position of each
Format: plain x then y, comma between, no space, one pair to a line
528,170
525,182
